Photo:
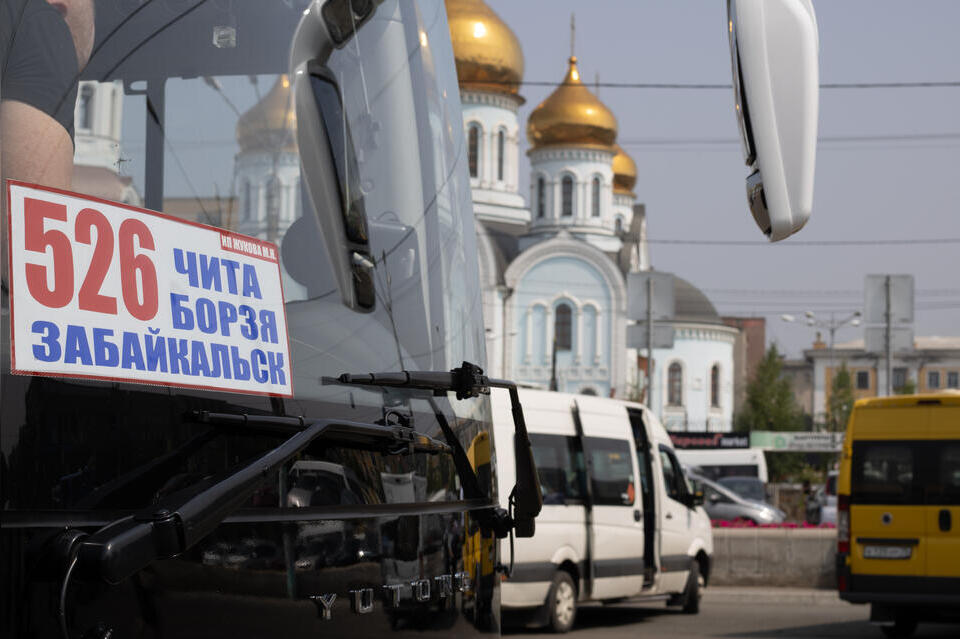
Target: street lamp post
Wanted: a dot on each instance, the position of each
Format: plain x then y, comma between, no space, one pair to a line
831,325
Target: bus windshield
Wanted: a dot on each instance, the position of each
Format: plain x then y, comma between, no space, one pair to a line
185,107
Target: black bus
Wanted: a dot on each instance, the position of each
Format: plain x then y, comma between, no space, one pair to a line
156,482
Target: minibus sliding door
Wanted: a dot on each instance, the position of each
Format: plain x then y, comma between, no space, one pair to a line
649,513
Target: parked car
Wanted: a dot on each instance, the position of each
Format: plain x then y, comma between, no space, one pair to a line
822,505
747,487
724,504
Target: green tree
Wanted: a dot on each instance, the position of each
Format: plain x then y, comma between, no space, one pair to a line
769,403
909,388
841,399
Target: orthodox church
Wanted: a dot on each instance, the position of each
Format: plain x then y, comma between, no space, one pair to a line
554,265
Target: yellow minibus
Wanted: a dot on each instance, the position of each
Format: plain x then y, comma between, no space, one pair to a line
898,509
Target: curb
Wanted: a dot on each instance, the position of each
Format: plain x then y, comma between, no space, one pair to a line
802,596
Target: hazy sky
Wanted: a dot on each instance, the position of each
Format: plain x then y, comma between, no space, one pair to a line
692,185
887,189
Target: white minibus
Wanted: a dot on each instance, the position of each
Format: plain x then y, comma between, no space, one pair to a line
619,520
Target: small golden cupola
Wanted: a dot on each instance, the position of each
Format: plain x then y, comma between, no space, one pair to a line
271,124
572,116
624,172
487,52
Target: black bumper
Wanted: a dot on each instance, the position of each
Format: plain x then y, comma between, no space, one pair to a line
896,590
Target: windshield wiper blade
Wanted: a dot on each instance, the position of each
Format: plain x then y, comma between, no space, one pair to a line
126,546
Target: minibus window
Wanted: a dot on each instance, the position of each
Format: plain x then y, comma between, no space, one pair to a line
946,491
611,467
672,477
560,467
883,473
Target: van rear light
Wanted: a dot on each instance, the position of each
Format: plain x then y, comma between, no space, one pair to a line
842,583
843,523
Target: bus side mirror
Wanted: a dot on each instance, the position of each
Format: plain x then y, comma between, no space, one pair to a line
774,56
695,499
327,159
527,496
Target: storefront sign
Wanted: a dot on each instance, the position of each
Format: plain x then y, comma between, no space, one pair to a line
107,291
707,440
793,441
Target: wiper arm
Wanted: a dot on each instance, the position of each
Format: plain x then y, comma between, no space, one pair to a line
390,439
126,546
469,381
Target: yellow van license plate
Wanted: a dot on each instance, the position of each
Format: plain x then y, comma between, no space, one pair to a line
887,552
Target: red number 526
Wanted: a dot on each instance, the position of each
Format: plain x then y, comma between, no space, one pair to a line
139,294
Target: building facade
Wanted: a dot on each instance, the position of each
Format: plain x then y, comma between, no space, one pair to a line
933,365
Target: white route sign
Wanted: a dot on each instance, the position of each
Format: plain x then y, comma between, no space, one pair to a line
108,291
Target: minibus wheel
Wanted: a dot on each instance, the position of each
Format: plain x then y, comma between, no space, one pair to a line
691,594
562,602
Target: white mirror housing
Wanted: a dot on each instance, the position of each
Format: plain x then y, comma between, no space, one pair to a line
774,55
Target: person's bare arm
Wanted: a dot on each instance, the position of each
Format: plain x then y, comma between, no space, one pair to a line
34,147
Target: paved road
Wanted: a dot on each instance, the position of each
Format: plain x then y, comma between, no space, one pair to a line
753,613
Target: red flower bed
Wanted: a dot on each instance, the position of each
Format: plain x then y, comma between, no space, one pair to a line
747,523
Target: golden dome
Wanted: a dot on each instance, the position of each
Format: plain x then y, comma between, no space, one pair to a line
271,124
487,52
572,116
624,172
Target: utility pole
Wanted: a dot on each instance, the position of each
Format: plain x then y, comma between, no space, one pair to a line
886,335
649,393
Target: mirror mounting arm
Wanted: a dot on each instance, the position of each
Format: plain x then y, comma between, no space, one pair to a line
469,381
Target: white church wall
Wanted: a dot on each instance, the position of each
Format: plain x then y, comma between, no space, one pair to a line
583,165
697,348
495,113
97,118
623,210
257,169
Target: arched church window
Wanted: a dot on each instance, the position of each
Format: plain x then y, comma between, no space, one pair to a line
297,200
473,149
715,386
541,196
85,107
247,200
595,198
618,225
562,329
273,201
566,196
675,385
500,145
273,197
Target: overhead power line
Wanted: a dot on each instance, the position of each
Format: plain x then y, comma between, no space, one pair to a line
793,292
895,137
897,242
728,87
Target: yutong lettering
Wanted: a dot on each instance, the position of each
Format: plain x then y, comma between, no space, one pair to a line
421,590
